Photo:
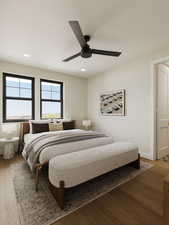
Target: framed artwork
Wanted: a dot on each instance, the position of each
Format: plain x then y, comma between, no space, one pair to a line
113,103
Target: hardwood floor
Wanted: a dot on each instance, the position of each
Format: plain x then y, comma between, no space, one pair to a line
138,202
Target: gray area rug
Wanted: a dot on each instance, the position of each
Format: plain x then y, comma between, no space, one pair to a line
40,208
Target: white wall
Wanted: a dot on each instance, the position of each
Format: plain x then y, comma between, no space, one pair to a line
136,77
75,93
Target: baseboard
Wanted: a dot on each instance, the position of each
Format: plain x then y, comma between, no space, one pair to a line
146,156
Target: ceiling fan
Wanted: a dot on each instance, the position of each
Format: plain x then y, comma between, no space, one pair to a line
86,51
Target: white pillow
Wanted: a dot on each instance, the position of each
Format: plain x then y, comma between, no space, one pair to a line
36,121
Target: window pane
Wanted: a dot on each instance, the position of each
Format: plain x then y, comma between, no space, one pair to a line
46,95
12,92
12,82
51,109
16,87
56,87
25,93
46,86
18,109
56,95
25,83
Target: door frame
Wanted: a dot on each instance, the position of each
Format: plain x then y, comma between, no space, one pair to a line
154,65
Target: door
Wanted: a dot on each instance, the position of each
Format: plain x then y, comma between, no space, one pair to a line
162,111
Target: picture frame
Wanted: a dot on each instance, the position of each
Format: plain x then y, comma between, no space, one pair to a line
112,103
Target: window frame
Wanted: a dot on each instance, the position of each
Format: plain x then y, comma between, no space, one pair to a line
5,97
51,100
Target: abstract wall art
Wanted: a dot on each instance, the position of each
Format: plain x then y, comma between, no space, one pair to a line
113,103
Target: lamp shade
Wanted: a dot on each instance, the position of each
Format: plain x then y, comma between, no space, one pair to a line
86,123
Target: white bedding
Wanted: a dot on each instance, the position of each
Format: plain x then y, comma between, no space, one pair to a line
52,151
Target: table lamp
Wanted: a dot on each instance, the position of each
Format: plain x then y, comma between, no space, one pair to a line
86,124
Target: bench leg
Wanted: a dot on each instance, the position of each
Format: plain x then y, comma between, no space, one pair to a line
58,193
38,170
136,164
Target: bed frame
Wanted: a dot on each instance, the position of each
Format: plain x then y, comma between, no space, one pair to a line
24,129
59,193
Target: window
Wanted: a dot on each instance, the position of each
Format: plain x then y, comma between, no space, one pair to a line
18,98
51,99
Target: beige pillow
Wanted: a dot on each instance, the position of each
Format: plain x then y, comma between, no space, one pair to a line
55,126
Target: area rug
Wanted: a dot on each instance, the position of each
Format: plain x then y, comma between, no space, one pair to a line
40,208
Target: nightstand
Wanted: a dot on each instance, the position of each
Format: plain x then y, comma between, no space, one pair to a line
9,147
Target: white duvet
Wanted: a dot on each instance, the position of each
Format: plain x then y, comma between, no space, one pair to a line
50,152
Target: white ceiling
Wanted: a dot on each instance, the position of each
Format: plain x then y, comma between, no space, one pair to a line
40,28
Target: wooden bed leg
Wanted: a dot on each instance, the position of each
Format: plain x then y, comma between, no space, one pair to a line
136,164
58,193
38,170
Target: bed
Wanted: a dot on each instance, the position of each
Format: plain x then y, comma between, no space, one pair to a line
74,146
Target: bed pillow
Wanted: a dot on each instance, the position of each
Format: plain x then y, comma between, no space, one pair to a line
55,126
36,122
40,127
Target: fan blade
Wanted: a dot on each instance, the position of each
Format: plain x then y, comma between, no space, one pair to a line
78,32
103,52
72,57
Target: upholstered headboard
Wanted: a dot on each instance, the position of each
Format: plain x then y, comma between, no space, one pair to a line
24,129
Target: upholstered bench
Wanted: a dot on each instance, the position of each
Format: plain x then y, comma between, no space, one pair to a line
72,169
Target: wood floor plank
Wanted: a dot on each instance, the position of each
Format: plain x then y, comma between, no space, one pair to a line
113,208
138,211
8,205
147,196
97,215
